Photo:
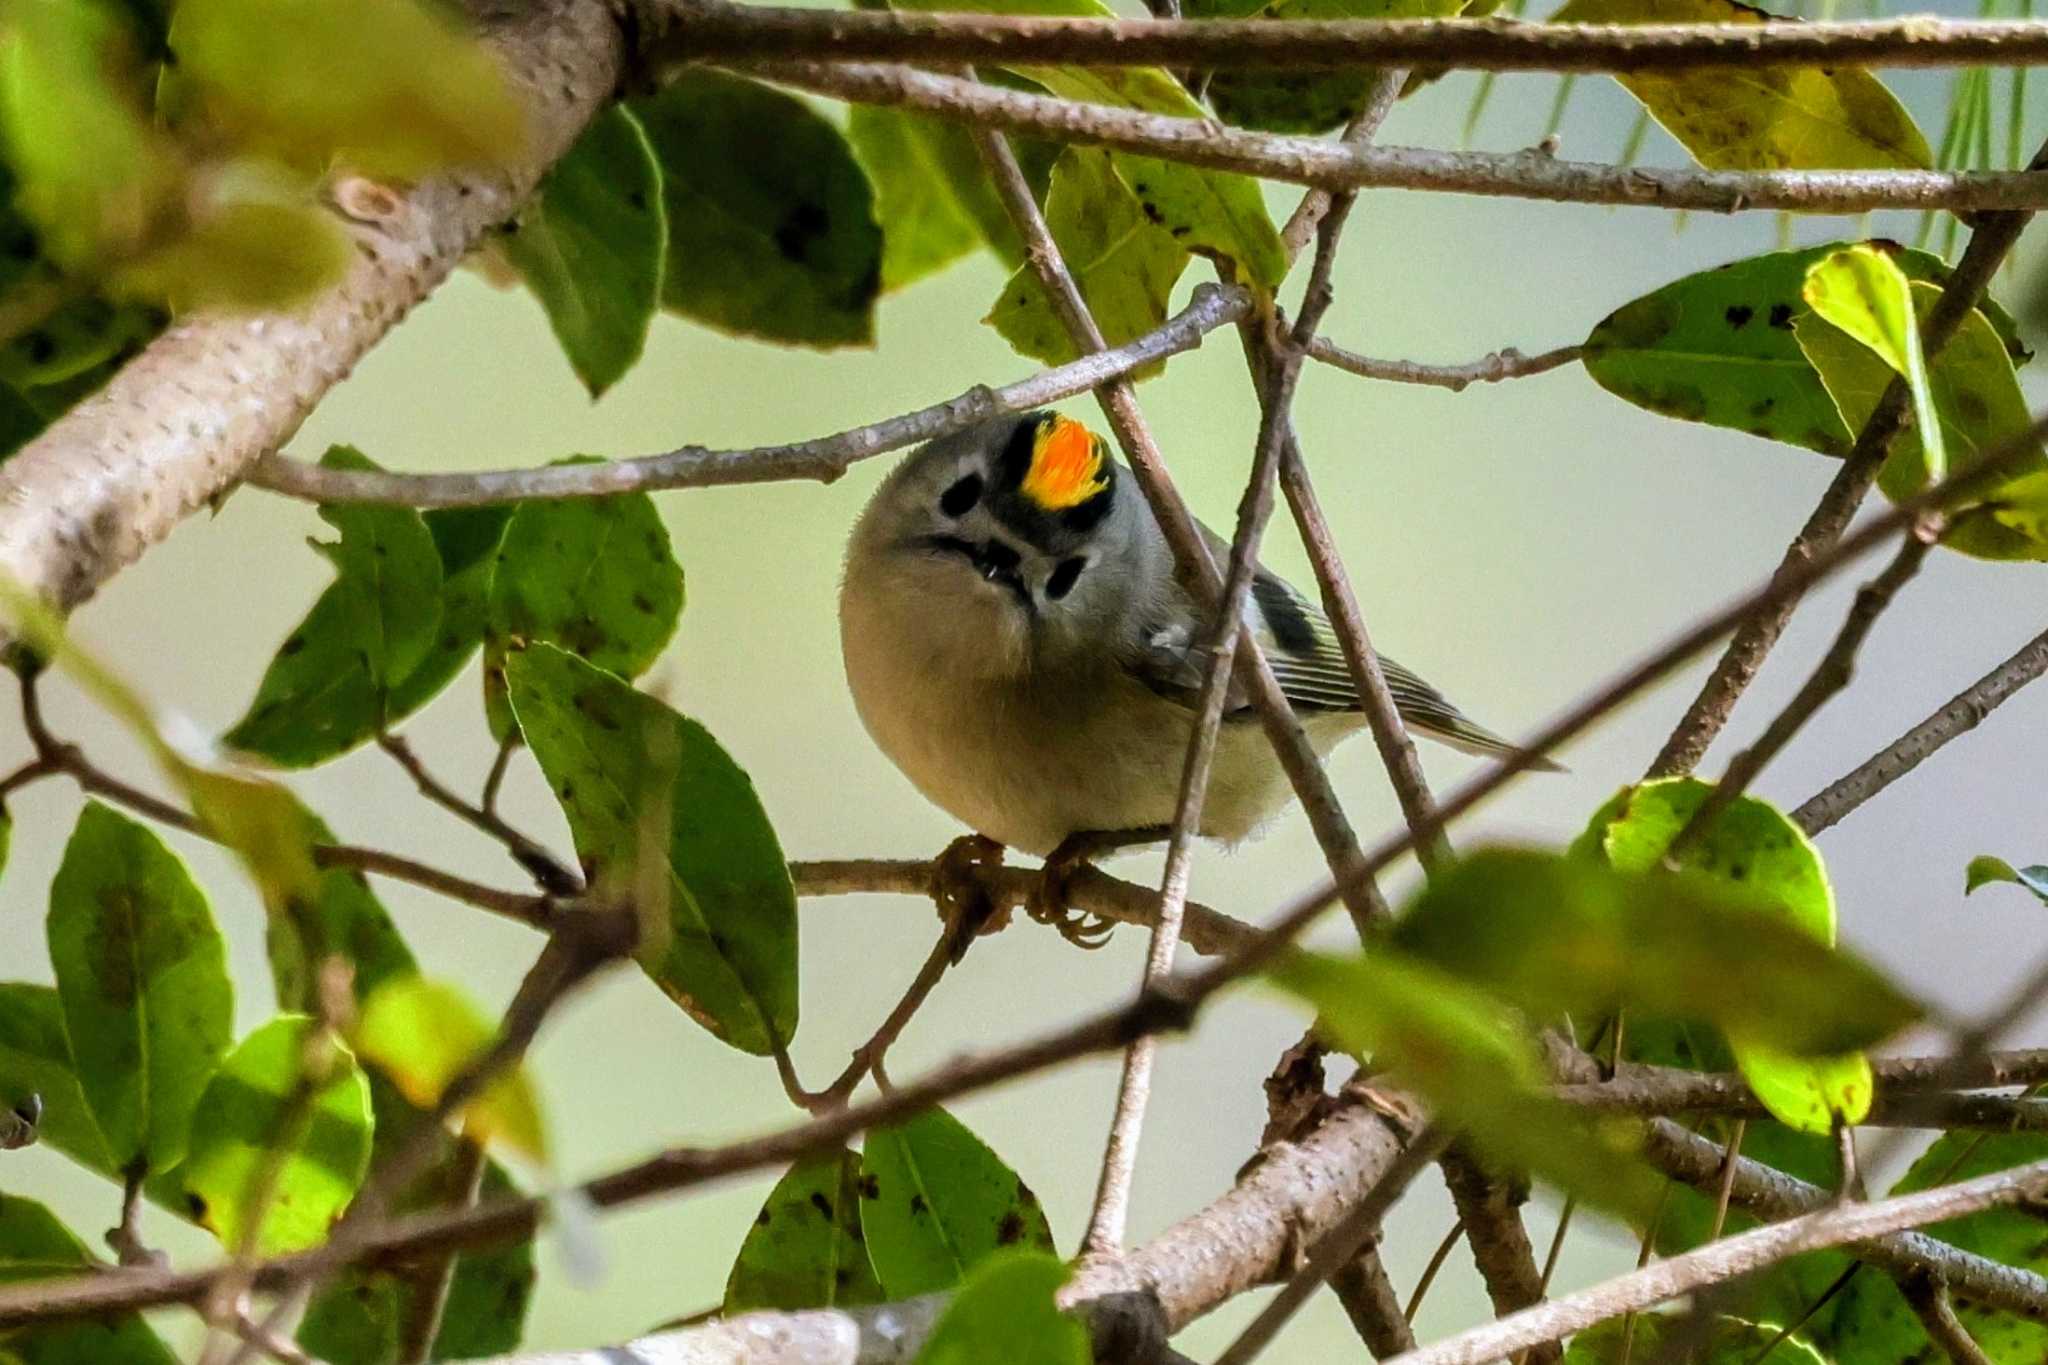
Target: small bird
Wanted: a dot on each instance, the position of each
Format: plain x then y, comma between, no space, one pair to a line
1017,643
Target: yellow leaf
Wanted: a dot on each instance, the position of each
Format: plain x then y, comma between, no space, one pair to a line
423,1034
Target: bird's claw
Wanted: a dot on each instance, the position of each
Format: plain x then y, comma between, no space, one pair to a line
960,890
1048,900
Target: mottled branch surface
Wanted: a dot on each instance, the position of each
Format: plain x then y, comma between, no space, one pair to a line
727,33
178,424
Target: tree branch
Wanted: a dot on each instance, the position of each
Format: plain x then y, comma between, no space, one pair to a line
824,458
1488,369
1963,713
1989,244
1332,166
734,33
181,421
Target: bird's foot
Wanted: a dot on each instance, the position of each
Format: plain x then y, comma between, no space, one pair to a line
960,890
1048,901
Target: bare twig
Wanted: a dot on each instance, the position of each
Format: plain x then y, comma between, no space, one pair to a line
824,458
1830,676
1963,713
1488,369
1372,1304
1937,1313
1330,166
868,1056
429,1302
728,33
178,424
549,871
1337,1248
1696,729
1436,1264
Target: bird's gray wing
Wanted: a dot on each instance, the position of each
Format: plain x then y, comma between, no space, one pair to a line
1306,658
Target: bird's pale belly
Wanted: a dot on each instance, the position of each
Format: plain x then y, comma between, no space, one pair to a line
1029,764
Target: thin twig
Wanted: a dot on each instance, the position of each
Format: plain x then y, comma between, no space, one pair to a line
1429,1272
430,1287
494,780
868,1056
824,458
1325,165
554,878
1337,1248
1992,239
1963,713
1931,1303
1488,369
1829,677
732,33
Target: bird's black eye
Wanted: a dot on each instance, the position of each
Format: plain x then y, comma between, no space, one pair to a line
959,500
1064,577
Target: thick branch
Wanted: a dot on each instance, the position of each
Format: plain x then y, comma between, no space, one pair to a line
178,424
1333,166
1963,713
824,458
726,33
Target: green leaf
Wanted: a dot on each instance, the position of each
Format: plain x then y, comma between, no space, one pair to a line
342,916
250,244
1751,848
1463,1051
1728,1341
1864,294
1301,101
77,339
142,974
1006,1311
771,223
1125,266
1873,1325
390,88
357,1319
608,752
20,422
804,1249
1566,935
1976,392
923,169
250,1121
1210,212
35,1246
328,687
92,173
35,1059
592,246
1764,118
1984,869
1719,347
422,1034
936,1203
467,540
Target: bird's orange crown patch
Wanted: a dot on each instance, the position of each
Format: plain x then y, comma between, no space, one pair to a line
1066,465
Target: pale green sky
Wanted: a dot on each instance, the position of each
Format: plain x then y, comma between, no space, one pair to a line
1515,544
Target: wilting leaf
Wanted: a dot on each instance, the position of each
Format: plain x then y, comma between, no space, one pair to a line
936,1203
805,1248
1873,1322
608,752
1751,848
1464,1052
1301,101
422,1034
328,688
35,1059
1719,347
1978,396
1985,868
386,87
35,1246
358,1318
770,222
1125,266
252,1118
1861,292
1567,935
592,246
1006,1311
1728,1341
1764,118
142,974
1214,212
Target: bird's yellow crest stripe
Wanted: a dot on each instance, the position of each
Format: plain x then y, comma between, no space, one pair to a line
1066,465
